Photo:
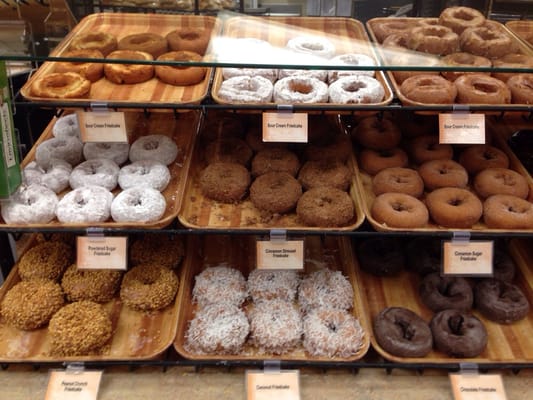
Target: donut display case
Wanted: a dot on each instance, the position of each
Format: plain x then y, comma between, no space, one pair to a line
523,29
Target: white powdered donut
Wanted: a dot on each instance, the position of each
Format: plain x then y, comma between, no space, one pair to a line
85,204
314,45
320,74
138,204
67,148
66,126
55,177
33,204
296,89
356,89
352,59
118,152
154,147
268,73
147,173
246,89
98,172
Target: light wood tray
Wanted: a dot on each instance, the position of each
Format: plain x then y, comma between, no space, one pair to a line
511,343
348,35
136,335
182,128
332,252
152,91
523,29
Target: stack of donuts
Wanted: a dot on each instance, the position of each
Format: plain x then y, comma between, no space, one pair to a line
459,37
417,181
310,180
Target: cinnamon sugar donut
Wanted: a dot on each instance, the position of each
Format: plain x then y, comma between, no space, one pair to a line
128,73
427,148
481,89
500,181
374,161
462,59
399,210
398,180
454,207
486,41
325,173
521,87
275,159
89,70
180,75
502,211
478,157
194,39
148,42
460,18
443,173
101,41
225,182
275,192
325,206
438,40
325,288
377,133
61,85
429,89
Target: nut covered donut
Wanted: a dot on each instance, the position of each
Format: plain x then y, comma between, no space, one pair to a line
180,75
194,39
46,260
438,40
299,89
486,41
89,70
454,207
61,85
460,18
443,173
429,89
325,206
150,43
500,301
101,41
399,210
481,89
325,288
503,211
128,73
99,285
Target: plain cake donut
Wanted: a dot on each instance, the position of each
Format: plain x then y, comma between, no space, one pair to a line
194,39
89,70
429,89
500,181
399,210
148,42
478,157
154,147
459,18
183,75
427,147
398,180
453,207
377,133
128,73
481,89
101,41
145,173
61,85
373,161
138,204
30,204
443,173
503,211
96,172
85,204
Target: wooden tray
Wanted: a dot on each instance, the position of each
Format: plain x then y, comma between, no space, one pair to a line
332,252
523,29
507,343
152,91
136,335
181,127
348,36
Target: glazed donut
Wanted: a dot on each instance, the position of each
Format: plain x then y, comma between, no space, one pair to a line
154,147
164,250
148,287
373,161
386,28
80,328
275,159
399,210
443,173
521,87
512,60
377,133
478,157
299,89
145,173
381,256
332,146
275,192
150,43
486,41
446,292
225,182
268,73
228,150
55,177
96,172
29,305
352,59
398,180
460,18
396,40
503,211
462,59
275,326
424,255
397,53
138,204
458,334
85,204
246,89
117,152
403,333
180,75
313,45
219,284
128,73
61,85
453,207
325,206
264,284
98,285
500,181
89,70
101,41
436,39
427,148
32,204
325,288
194,39
500,301
429,89
68,149
325,173
66,125
332,333
46,260
481,89
356,89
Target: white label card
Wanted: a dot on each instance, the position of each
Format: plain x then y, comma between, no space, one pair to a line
472,258
285,127
101,252
280,254
66,385
282,385
102,126
462,128
477,387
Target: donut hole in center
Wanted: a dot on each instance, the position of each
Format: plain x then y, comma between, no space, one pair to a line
313,46
516,210
354,87
189,35
399,207
58,83
463,15
446,288
488,35
151,145
406,329
485,87
332,327
487,155
301,87
455,202
457,325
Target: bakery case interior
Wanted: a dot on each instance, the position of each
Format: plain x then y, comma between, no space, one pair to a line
372,136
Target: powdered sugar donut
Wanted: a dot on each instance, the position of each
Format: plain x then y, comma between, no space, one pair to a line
97,172
55,177
356,89
147,173
314,45
138,204
269,73
154,147
32,204
246,89
325,288
66,126
85,204
297,89
320,74
67,148
352,59
118,152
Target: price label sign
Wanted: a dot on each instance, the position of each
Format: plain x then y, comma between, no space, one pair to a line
65,385
101,252
477,387
472,258
282,385
285,127
102,126
462,128
282,254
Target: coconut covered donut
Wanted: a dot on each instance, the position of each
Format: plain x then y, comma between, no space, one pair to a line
66,125
55,177
145,173
33,204
117,152
68,149
356,89
85,204
352,59
154,147
246,89
312,45
266,284
325,288
298,89
96,172
138,204
219,284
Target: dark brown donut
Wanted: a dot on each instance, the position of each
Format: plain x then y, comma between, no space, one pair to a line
377,134
446,292
226,182
381,256
276,192
329,147
427,147
326,207
373,161
504,268
443,173
228,149
325,173
424,255
454,207
500,301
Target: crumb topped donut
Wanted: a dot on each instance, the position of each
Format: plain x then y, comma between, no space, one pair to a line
325,173
138,204
219,284
30,204
325,206
224,181
154,147
325,288
275,192
228,150
275,159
